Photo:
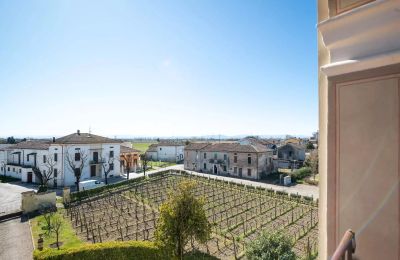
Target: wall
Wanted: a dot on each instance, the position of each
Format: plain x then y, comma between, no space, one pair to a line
32,201
359,93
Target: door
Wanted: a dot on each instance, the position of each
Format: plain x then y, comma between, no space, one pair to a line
29,177
215,169
240,172
92,170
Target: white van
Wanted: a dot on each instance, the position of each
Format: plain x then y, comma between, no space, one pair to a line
90,184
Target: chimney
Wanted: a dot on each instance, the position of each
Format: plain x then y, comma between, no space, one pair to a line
78,132
54,139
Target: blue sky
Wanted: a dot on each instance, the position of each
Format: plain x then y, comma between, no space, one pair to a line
158,68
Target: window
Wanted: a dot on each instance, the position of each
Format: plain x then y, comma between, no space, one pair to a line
235,158
55,183
13,169
225,156
55,157
111,154
19,170
235,170
248,172
111,166
249,158
8,168
27,158
224,168
205,156
55,173
160,149
205,166
215,156
77,157
44,159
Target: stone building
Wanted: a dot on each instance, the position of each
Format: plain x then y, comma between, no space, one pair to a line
241,160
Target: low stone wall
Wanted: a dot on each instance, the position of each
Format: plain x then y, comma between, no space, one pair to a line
32,201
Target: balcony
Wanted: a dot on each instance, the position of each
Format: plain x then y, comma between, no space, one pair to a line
98,161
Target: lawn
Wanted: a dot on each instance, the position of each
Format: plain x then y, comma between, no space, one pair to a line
5,179
142,146
158,164
67,236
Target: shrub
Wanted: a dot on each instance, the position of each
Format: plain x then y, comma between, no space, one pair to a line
108,250
270,246
300,174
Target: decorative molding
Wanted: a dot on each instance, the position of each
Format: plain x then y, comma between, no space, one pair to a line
342,7
349,66
358,33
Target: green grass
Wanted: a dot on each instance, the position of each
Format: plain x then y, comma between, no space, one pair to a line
153,164
67,236
5,179
142,146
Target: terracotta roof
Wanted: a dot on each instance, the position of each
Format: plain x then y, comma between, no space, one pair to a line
170,143
196,146
35,145
152,148
234,147
85,138
125,149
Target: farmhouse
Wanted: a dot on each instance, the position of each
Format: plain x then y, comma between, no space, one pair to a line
65,156
167,151
241,160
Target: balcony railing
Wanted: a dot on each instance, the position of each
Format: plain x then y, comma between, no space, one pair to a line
346,248
99,161
19,165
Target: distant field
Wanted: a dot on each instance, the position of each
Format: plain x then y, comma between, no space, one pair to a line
142,146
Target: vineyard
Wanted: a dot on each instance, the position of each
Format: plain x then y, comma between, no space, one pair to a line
239,214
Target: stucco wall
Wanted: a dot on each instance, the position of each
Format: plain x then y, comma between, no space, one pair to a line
32,201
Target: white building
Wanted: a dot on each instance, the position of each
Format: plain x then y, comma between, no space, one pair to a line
66,155
166,151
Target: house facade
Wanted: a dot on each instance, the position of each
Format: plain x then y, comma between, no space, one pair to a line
241,160
166,152
88,153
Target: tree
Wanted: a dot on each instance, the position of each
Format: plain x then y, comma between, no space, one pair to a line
57,226
107,167
145,161
312,162
77,163
271,246
45,175
11,140
182,219
310,146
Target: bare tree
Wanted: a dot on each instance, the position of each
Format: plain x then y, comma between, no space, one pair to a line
107,167
145,161
47,174
57,226
77,163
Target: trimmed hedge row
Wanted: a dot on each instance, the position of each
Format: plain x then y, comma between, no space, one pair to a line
108,250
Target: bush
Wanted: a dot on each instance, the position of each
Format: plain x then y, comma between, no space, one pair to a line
301,174
270,246
108,250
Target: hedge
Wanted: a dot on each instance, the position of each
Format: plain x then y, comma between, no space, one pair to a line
108,250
